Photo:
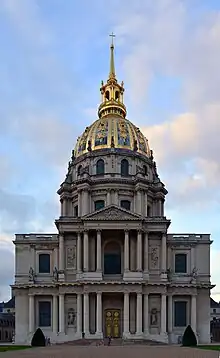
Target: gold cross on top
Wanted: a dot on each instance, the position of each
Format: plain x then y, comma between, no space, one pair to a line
112,36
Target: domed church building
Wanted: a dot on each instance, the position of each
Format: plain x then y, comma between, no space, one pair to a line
112,269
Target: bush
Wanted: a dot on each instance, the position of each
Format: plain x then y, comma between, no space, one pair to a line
189,338
38,339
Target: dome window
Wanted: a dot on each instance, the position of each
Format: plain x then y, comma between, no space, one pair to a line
117,95
99,204
79,169
107,95
145,170
126,204
124,168
100,167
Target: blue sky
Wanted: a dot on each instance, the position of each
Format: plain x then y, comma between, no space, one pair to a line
54,55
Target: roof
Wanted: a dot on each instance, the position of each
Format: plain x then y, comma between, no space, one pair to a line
214,304
10,303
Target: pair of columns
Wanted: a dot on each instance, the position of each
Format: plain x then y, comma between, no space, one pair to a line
86,251
139,251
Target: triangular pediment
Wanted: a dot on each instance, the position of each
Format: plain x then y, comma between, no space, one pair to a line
112,213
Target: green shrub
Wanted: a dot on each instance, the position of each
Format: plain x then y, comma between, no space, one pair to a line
189,338
38,339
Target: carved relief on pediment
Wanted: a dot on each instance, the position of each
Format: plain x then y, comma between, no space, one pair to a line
112,214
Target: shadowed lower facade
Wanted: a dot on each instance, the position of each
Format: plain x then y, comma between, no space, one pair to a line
112,268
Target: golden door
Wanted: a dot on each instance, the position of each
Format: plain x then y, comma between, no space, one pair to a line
112,323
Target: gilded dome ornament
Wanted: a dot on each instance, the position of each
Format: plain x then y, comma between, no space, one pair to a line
112,129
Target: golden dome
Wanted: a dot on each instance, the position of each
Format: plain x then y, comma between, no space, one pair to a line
112,129
112,132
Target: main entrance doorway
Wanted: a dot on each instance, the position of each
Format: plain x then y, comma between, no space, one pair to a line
112,323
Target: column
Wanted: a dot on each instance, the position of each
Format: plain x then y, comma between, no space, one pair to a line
61,203
55,314
170,314
126,251
85,251
139,250
146,245
85,202
79,252
61,252
139,314
79,315
99,251
163,314
31,314
192,256
108,197
139,203
99,313
164,254
79,203
116,197
126,313
86,313
145,203
193,313
146,318
61,314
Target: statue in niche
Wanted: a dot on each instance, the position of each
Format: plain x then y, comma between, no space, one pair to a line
169,274
194,273
71,256
55,274
31,274
154,256
71,317
153,317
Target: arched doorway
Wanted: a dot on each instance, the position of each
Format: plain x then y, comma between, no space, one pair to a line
112,258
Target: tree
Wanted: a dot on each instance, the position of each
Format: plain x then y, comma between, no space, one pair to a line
38,339
189,338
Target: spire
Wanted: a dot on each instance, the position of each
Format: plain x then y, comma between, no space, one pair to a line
112,92
112,60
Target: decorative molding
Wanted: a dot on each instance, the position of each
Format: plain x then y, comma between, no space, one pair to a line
112,213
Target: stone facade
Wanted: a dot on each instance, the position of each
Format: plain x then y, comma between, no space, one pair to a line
112,269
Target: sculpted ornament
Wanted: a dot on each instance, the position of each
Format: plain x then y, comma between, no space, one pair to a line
153,317
169,274
55,274
71,257
154,257
31,274
194,274
71,317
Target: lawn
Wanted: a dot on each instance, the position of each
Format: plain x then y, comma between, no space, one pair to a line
210,347
12,348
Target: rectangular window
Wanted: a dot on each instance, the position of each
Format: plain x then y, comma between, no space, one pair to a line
44,313
99,204
180,263
44,263
180,312
126,204
76,211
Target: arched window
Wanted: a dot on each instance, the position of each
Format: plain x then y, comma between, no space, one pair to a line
145,170
112,259
100,167
107,95
124,168
148,210
99,204
44,263
6,335
117,95
126,204
79,169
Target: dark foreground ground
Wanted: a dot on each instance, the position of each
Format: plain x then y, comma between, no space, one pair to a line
68,351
